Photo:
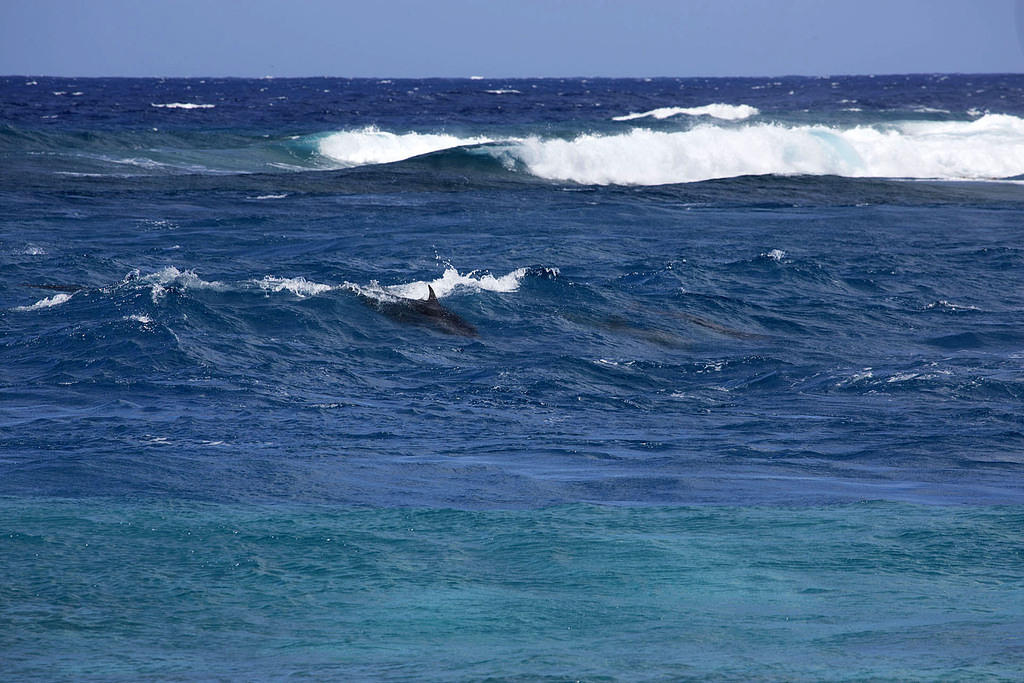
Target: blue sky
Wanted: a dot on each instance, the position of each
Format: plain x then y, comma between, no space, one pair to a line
405,38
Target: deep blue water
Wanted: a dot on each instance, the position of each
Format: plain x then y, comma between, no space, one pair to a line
725,379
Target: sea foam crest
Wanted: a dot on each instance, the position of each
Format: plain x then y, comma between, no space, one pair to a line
182,105
449,281
299,286
48,302
171,276
374,146
718,110
986,148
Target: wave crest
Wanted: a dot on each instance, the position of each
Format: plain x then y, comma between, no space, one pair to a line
449,281
48,302
299,286
988,148
718,110
182,105
374,146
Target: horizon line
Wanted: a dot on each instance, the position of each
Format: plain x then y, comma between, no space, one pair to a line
475,77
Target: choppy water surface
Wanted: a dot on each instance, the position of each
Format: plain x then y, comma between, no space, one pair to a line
722,378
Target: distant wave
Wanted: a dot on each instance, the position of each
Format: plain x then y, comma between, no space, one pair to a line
182,105
988,148
374,146
729,112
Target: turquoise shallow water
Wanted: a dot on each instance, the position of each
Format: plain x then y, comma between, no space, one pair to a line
111,590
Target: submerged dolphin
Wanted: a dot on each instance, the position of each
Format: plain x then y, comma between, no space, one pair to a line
56,288
427,311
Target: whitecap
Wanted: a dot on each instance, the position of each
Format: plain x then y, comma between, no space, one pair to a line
172,276
299,286
374,146
451,280
950,306
182,105
991,147
48,302
718,110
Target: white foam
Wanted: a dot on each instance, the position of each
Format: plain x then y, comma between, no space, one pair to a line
171,275
950,306
450,281
990,147
48,302
718,110
775,255
504,91
299,286
270,196
160,280
374,146
182,105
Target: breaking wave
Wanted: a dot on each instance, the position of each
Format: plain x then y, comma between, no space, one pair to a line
988,148
451,280
718,110
374,146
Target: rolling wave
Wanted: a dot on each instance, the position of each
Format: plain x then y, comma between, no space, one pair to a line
991,147
374,146
988,147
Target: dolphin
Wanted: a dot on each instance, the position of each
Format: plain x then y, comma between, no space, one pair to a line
56,288
429,312
715,327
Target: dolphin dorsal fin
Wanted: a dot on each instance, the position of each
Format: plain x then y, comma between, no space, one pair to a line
431,297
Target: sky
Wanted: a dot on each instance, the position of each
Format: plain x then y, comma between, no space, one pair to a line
508,38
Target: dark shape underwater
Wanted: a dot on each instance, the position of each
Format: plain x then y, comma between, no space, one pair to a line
427,312
56,288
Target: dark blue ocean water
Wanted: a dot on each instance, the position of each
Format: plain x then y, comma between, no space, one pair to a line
724,379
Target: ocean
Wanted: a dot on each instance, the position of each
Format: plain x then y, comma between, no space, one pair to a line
530,379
